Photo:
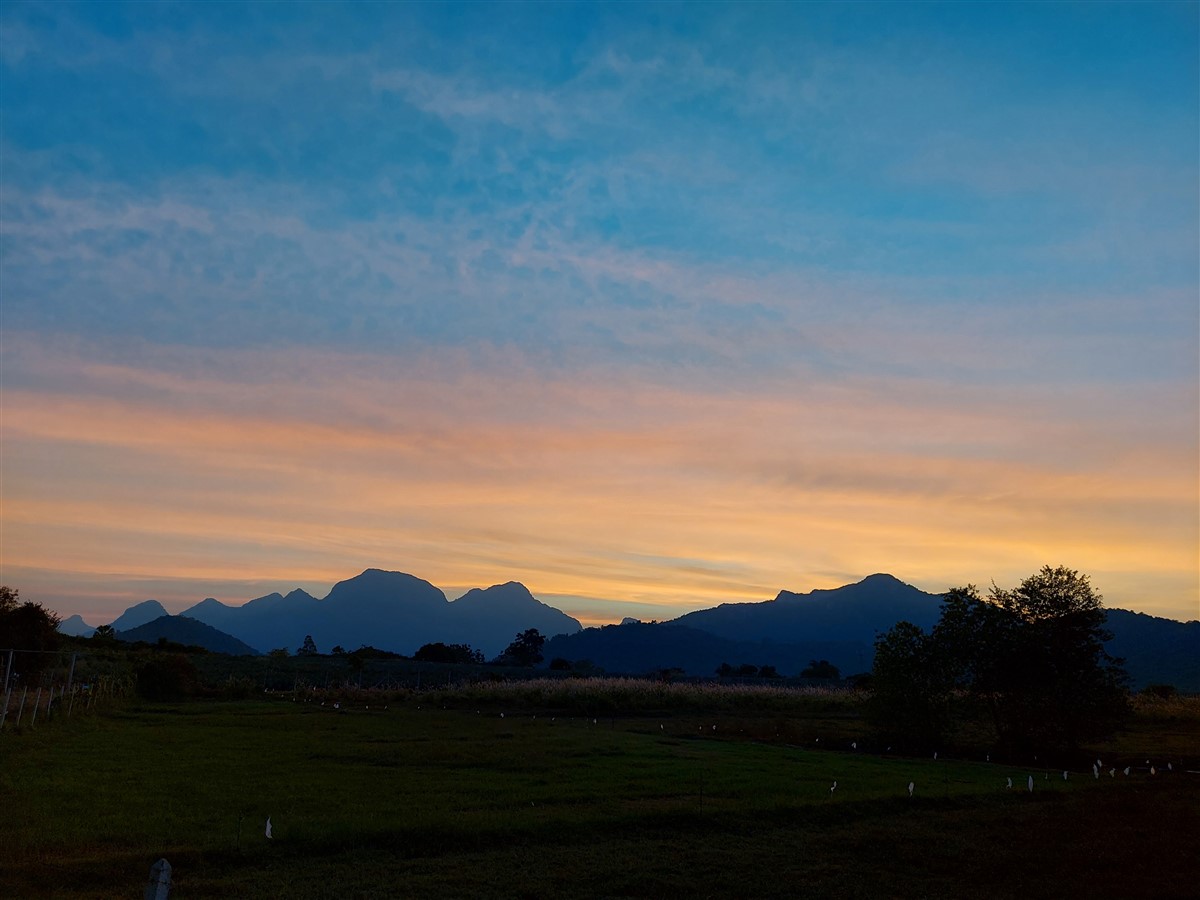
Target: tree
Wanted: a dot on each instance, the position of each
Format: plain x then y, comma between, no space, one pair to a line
820,669
448,653
27,626
911,691
525,650
1031,659
308,648
167,677
1054,684
104,633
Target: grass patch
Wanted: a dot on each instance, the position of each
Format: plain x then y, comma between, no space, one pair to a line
417,801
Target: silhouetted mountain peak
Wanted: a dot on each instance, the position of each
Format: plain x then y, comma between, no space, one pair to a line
139,614
881,579
853,612
74,625
188,631
508,593
208,603
376,587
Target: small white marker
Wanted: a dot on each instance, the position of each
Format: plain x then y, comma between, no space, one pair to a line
268,826
910,788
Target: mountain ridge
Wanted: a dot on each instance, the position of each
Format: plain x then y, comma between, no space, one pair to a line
399,612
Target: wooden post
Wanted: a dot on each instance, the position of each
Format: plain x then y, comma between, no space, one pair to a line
4,712
21,708
71,705
36,701
8,670
71,674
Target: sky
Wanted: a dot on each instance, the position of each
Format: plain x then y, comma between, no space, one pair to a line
648,306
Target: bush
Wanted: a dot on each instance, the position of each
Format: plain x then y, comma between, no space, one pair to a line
1161,691
171,677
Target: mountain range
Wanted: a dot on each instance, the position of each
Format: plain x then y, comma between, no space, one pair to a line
840,626
399,612
389,610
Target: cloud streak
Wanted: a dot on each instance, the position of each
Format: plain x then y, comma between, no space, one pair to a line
652,310
581,487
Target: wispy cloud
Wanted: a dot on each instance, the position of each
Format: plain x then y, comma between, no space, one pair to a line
638,312
574,485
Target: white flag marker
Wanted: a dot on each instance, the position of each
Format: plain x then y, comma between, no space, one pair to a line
1009,785
910,788
1031,784
268,826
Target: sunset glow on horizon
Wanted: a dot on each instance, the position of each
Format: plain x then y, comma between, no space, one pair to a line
649,309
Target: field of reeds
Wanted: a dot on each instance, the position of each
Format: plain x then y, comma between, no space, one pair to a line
578,788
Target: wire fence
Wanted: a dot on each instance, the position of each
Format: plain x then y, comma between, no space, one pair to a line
39,687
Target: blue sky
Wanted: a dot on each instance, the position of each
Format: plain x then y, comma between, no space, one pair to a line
651,306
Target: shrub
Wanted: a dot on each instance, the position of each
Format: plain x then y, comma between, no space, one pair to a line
168,677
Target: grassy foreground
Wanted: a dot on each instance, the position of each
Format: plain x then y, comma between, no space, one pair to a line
420,801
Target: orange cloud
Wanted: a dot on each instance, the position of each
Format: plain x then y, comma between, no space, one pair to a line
667,497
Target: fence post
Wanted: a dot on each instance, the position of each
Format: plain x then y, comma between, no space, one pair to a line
36,701
8,669
4,712
21,708
159,887
71,674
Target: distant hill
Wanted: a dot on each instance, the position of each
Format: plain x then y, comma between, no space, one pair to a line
76,627
489,619
266,622
1156,651
855,612
183,630
637,648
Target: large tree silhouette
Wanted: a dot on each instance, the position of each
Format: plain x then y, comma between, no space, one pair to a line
525,650
27,626
1031,659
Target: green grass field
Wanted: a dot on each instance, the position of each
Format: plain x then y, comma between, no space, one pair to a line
421,801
